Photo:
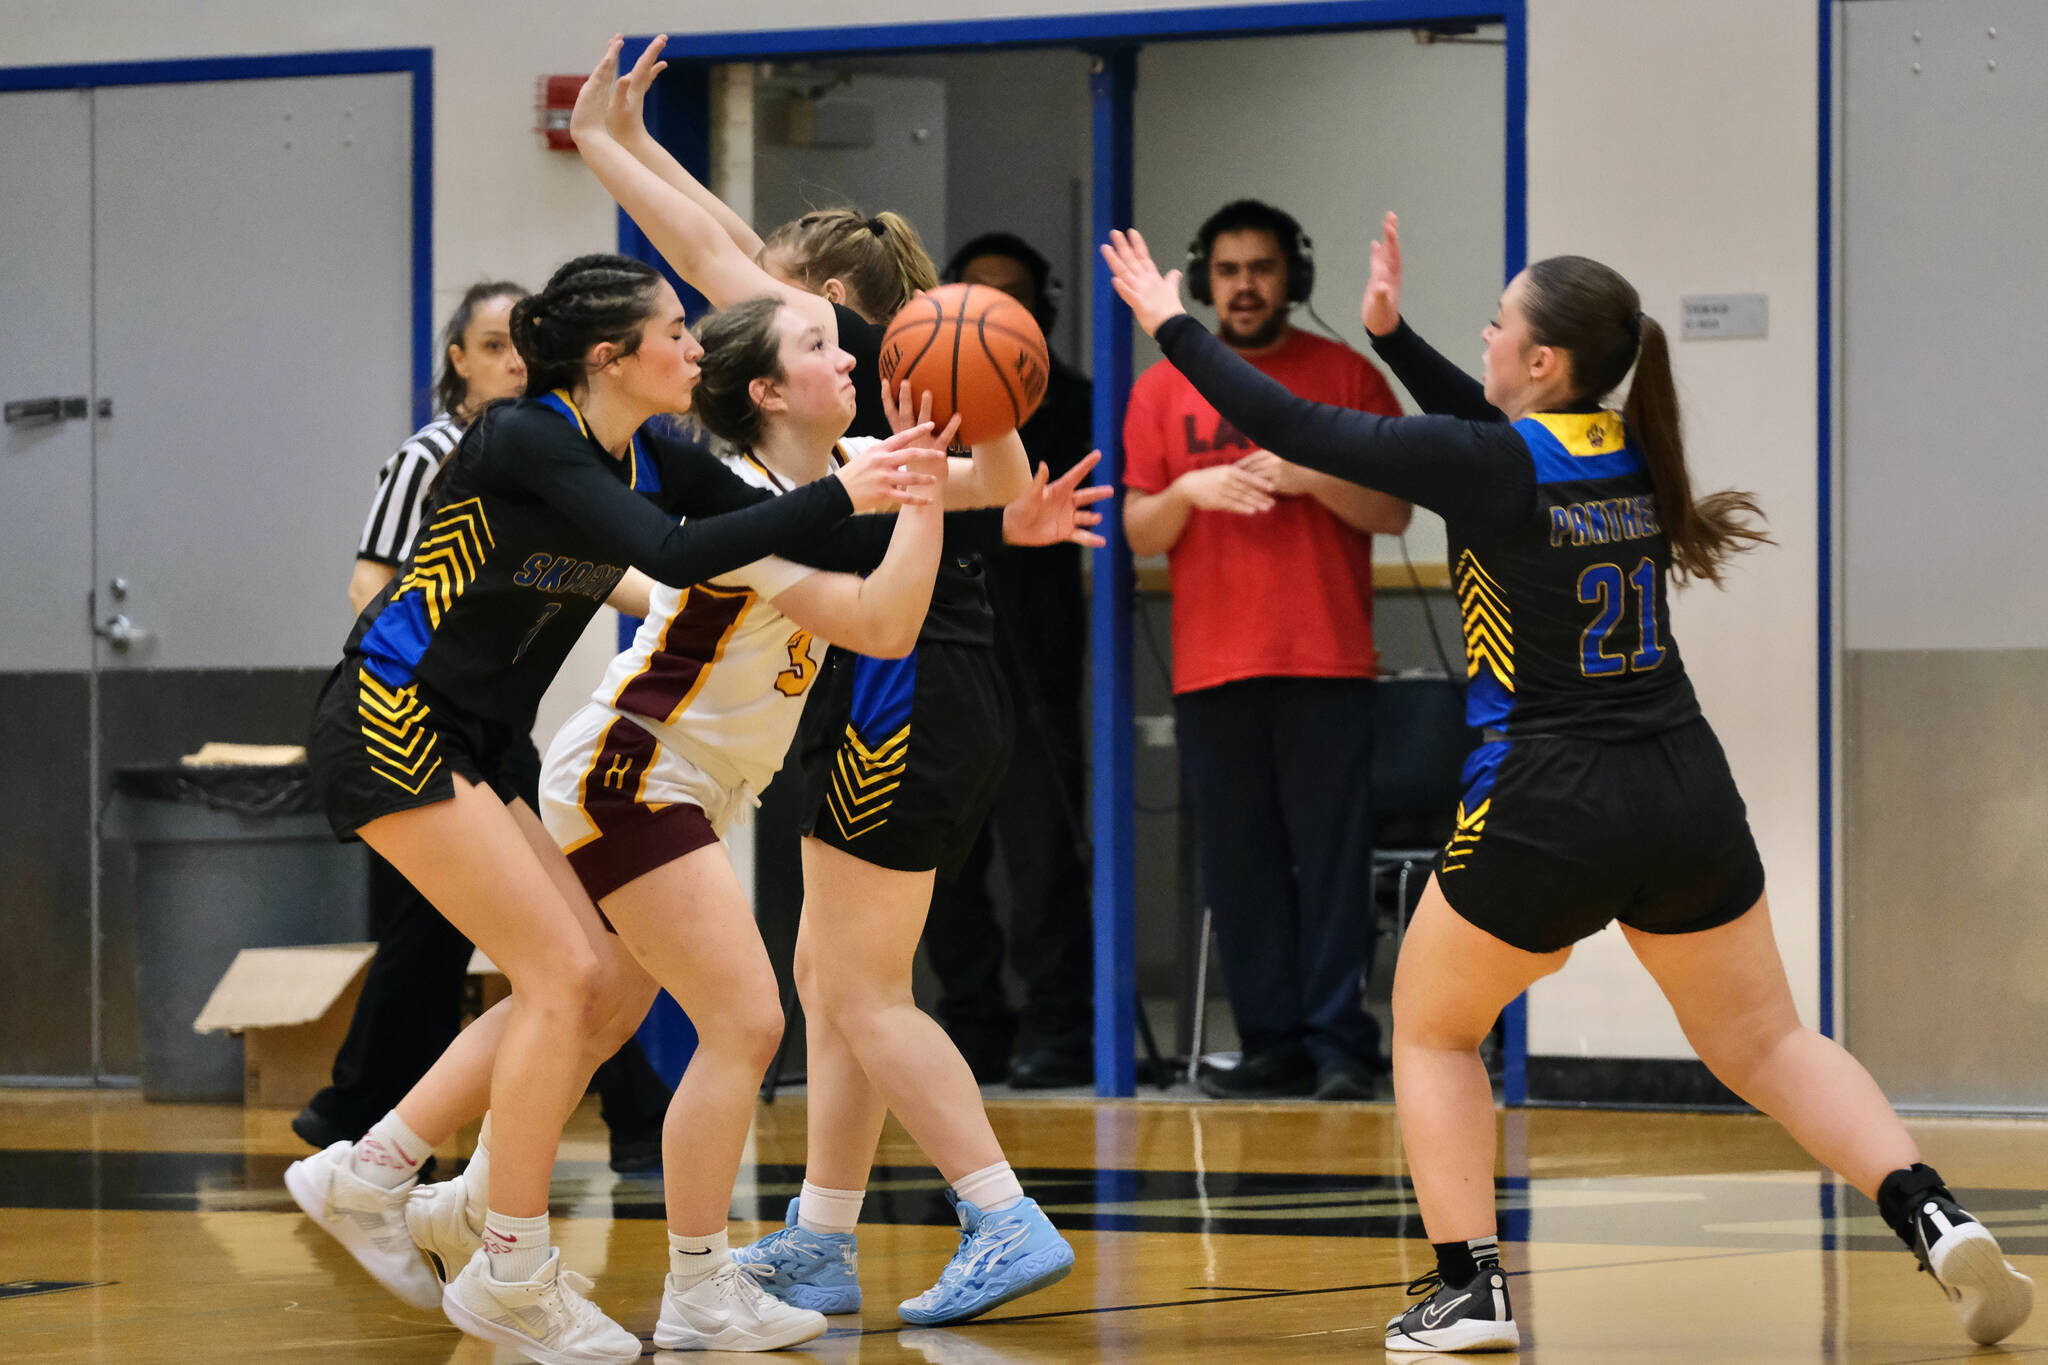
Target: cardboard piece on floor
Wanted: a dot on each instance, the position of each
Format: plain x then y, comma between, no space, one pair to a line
292,1007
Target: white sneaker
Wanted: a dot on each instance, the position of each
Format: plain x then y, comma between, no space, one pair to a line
1992,1299
728,1310
367,1219
445,1226
546,1318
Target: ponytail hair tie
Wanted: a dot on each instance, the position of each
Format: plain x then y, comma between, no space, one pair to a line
878,227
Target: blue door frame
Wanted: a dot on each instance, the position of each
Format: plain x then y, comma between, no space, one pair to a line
679,114
417,62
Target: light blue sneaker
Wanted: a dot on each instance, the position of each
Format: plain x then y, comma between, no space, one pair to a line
815,1270
1002,1256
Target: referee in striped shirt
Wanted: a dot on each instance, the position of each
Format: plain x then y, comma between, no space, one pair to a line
411,1005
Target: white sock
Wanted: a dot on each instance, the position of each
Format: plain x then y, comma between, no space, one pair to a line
691,1259
476,1177
821,1210
990,1189
518,1246
390,1153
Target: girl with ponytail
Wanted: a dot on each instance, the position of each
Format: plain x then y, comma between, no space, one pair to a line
935,725
1598,791
538,515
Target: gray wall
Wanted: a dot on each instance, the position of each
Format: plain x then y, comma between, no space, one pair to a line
1945,682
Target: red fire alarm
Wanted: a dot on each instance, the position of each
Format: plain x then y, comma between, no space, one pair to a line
554,98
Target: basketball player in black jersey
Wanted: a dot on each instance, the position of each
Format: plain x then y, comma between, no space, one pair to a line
901,763
535,519
1598,792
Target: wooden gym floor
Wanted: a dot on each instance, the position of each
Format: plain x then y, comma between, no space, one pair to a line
1225,1233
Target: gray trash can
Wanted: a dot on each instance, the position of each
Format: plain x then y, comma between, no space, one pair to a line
226,858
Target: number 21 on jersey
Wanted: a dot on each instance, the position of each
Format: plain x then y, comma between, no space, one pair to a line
1602,587
792,681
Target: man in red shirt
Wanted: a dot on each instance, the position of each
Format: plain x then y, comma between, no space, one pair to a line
1272,666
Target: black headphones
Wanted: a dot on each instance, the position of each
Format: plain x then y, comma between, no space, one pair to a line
1245,214
1010,245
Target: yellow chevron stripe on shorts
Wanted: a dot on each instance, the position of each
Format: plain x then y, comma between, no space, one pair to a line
1471,824
401,747
863,779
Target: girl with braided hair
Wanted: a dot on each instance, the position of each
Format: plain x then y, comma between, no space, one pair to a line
534,521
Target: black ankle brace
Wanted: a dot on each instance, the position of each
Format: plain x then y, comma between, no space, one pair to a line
1899,1197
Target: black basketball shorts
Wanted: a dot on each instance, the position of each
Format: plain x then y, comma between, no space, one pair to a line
1556,837
376,750
902,758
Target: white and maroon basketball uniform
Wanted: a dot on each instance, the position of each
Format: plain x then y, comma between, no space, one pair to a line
690,722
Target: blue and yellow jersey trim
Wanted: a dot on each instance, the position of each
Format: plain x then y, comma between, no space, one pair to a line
1571,446
446,559
642,476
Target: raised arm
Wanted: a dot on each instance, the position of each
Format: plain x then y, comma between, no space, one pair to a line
688,237
1438,385
625,120
1476,474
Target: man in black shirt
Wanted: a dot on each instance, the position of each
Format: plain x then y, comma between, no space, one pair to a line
1039,818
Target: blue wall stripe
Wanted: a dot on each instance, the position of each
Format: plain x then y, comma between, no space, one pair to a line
1112,90
1824,474
1228,21
1515,247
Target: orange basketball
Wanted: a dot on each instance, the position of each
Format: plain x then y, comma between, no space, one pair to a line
976,350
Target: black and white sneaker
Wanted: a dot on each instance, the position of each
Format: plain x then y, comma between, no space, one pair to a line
1470,1317
1991,1298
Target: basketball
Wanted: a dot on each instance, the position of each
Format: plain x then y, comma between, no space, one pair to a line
976,350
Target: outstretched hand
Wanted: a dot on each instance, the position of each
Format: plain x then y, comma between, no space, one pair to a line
1381,311
587,118
903,471
1153,297
1052,511
623,118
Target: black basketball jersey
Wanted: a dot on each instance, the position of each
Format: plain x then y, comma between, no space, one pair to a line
1566,616
531,526
1559,560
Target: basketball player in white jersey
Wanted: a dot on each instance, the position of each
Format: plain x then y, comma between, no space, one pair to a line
689,723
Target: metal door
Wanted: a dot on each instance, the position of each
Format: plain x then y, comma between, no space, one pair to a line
251,319
46,977
219,273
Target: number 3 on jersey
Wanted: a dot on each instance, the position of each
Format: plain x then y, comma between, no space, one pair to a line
792,681
1601,586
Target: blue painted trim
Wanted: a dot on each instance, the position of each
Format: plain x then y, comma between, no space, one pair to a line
1111,93
1515,248
418,62
1228,21
1825,477
1112,90
423,329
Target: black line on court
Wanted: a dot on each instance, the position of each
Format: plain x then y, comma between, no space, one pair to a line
28,1289
1252,1295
